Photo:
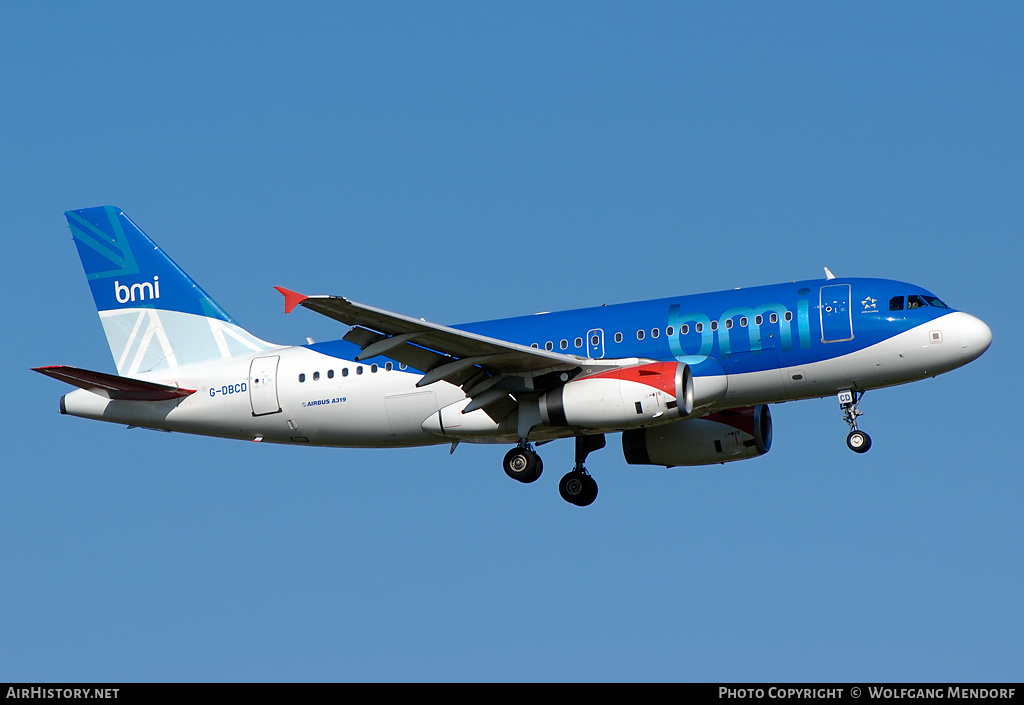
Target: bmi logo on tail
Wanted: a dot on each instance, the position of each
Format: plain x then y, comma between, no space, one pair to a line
125,294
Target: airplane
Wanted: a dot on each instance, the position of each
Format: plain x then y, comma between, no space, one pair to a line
685,380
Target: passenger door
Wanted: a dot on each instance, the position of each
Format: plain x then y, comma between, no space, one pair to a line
263,385
836,313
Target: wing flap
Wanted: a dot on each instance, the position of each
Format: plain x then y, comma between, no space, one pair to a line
112,386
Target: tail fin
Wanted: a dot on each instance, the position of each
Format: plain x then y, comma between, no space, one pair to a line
153,314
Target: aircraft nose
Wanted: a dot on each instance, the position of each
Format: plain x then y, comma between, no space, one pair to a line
975,337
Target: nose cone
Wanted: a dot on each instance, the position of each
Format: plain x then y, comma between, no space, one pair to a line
975,337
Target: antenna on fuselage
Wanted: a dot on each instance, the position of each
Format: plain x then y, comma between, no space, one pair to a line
829,274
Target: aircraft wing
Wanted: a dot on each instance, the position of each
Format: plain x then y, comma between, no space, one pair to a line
487,368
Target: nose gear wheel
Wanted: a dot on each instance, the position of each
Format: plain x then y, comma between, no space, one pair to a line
857,440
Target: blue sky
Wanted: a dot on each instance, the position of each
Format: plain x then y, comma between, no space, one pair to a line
463,161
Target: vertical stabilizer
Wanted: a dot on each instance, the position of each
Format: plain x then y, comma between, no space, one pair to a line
153,314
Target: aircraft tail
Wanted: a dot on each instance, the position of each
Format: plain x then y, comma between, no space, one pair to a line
153,314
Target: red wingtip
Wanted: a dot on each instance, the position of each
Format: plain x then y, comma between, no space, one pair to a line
291,298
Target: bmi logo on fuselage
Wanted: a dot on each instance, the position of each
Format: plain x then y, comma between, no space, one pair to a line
137,292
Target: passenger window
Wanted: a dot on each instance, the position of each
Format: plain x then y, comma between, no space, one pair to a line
669,331
684,329
359,370
774,318
330,374
789,315
388,366
344,372
548,345
316,376
743,321
302,377
534,345
655,332
896,303
373,367
618,338
579,342
639,335
758,320
699,327
564,344
595,341
714,325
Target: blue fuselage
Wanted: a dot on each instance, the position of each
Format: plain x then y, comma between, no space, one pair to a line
742,330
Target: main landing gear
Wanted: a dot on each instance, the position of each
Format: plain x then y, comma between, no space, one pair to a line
576,487
857,441
522,463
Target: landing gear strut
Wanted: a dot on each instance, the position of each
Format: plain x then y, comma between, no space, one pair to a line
857,441
522,463
578,487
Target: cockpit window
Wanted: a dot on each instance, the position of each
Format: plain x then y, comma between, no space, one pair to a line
915,301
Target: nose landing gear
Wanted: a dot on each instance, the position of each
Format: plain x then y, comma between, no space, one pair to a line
857,440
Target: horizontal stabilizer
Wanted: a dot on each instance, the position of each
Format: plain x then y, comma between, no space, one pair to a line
112,386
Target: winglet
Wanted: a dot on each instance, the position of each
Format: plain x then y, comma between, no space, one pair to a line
291,298
829,274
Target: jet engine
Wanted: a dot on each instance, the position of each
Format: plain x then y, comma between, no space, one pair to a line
721,437
621,398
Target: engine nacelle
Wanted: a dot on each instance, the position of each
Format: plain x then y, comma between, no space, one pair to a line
736,434
621,398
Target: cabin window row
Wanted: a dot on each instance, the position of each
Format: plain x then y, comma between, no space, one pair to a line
345,372
670,331
564,344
